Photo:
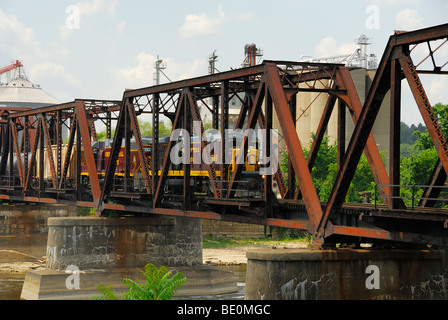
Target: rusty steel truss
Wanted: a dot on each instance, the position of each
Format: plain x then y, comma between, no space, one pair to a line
266,92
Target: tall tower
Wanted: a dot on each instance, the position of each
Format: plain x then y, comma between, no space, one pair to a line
212,63
159,65
251,53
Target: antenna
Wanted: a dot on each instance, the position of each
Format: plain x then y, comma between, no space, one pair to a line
212,62
159,65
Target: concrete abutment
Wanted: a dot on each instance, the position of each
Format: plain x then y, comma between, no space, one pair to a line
346,274
83,252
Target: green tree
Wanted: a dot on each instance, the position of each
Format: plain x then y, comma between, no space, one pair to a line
325,169
424,139
160,285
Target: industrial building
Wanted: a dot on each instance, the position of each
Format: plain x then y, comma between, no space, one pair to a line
17,91
310,105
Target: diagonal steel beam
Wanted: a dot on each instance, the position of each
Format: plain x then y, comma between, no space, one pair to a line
44,126
430,119
296,155
83,129
138,139
252,120
210,167
16,148
167,159
371,151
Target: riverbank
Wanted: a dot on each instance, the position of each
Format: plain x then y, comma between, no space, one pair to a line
234,254
16,261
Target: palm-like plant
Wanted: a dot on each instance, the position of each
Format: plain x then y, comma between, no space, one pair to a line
160,285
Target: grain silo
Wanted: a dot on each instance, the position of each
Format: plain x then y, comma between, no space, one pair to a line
310,106
17,91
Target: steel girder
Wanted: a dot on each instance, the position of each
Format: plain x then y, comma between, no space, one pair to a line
267,90
44,178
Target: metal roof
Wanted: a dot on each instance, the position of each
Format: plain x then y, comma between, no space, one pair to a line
21,90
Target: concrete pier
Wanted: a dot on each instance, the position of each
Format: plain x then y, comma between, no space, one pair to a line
83,252
345,274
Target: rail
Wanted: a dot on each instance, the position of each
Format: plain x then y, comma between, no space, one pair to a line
411,197
244,188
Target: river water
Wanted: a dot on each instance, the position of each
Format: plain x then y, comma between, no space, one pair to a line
30,248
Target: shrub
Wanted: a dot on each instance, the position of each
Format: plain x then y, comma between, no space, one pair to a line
160,285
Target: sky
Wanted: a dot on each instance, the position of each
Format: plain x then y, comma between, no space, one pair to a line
96,49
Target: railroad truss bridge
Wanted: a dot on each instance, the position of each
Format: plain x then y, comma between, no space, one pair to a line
70,172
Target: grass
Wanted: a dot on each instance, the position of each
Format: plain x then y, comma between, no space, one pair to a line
216,243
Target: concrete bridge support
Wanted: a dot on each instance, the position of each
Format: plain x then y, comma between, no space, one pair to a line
346,274
83,252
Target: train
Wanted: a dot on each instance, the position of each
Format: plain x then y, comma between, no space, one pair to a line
250,181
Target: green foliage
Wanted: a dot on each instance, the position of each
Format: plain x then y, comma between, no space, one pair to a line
424,141
145,130
325,169
160,285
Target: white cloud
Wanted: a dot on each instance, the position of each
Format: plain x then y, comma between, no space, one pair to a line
328,46
16,39
408,20
395,2
53,71
141,73
437,90
120,28
85,9
97,6
136,76
203,23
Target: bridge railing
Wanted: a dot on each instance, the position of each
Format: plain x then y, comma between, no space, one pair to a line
242,188
414,195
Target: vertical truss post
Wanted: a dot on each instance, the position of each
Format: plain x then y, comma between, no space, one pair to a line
25,147
187,164
155,143
215,114
268,152
127,148
6,141
291,173
341,131
42,158
395,117
59,142
224,126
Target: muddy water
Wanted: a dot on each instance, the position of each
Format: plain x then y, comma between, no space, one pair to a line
15,251
19,250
